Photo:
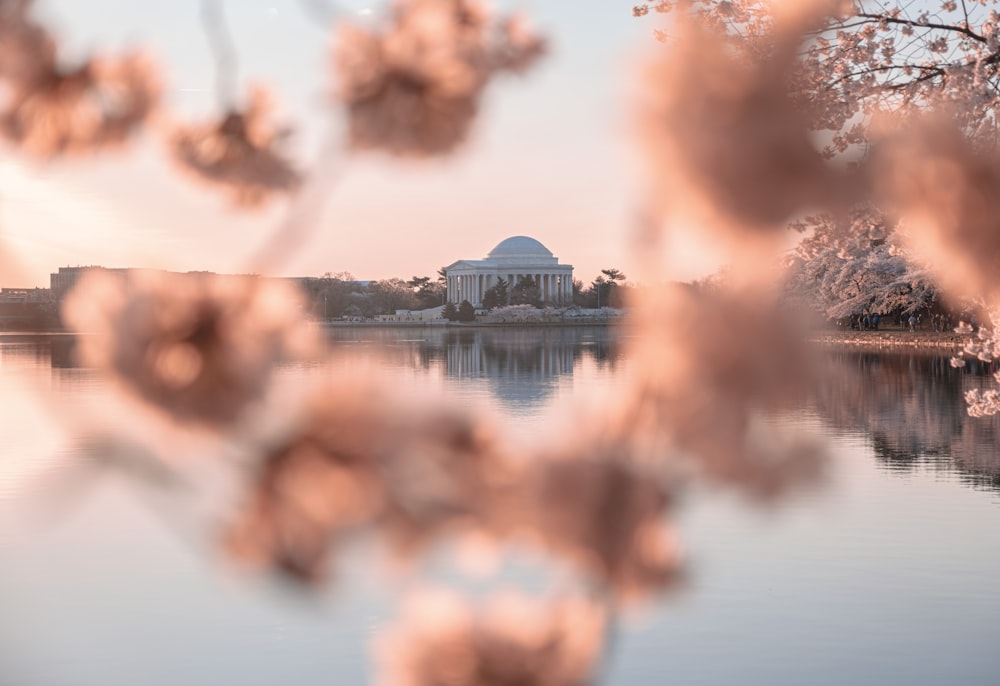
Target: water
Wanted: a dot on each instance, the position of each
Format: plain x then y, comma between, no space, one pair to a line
885,575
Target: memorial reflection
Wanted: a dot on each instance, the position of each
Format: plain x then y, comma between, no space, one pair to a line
521,367
912,408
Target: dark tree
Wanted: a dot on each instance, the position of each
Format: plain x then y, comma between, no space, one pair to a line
335,297
614,275
391,295
466,312
526,292
496,296
449,311
605,290
429,293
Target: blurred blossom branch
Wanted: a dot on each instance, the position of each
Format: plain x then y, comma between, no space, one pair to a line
47,110
900,100
727,120
413,88
512,640
240,153
199,347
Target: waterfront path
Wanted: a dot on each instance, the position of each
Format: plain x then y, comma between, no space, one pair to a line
894,339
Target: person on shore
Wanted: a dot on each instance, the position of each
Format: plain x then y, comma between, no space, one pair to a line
866,322
875,321
912,321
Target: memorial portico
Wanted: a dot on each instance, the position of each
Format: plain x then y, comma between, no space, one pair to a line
513,259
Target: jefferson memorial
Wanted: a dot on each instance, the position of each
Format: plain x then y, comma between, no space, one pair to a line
513,259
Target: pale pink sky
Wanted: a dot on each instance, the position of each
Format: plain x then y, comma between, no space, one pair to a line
549,157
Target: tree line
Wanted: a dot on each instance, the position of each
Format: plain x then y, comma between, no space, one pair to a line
340,295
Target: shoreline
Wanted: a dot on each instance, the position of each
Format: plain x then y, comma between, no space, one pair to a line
894,339
469,325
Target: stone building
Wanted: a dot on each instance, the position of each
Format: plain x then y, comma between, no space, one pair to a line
513,259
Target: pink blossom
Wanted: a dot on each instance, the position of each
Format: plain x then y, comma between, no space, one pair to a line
715,368
360,459
726,144
945,191
199,347
605,515
240,152
414,88
47,110
512,640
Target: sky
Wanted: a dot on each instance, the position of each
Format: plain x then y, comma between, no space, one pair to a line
550,155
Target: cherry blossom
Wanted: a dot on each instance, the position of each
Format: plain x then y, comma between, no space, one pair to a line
511,640
47,110
413,89
239,152
199,347
605,515
358,460
858,265
716,369
726,145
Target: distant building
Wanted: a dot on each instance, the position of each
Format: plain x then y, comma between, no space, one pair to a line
513,259
62,281
432,314
25,295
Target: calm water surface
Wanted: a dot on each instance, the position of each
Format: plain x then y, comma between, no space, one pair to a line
886,575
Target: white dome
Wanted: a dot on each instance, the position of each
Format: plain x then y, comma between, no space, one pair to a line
519,247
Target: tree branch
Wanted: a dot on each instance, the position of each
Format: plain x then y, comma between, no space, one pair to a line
965,30
220,42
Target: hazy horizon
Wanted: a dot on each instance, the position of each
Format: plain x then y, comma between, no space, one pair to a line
549,157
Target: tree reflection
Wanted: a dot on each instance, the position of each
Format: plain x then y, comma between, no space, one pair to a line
912,408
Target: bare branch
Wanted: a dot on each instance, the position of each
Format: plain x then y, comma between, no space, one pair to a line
220,41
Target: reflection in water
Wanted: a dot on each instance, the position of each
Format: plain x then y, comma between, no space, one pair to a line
109,598
55,351
522,367
909,405
912,408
